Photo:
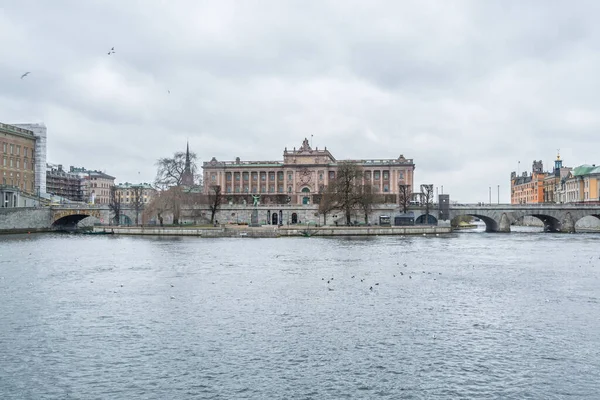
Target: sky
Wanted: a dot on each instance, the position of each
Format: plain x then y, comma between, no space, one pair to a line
470,90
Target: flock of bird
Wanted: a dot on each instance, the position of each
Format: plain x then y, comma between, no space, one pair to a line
111,51
330,280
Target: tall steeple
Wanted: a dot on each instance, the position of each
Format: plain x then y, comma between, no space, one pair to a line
187,177
187,156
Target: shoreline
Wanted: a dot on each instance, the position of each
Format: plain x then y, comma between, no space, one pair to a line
275,232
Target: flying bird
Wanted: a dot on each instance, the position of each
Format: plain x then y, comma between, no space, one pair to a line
25,74
112,50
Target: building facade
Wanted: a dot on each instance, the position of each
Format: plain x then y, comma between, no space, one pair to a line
95,185
17,166
538,186
39,132
582,185
127,192
301,176
63,183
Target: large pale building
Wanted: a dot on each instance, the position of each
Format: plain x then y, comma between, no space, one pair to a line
17,165
301,175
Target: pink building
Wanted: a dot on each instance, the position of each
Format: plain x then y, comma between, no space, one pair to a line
300,176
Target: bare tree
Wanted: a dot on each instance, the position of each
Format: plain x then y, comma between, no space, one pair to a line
366,199
346,190
427,199
159,205
404,196
326,202
114,204
137,201
170,170
215,199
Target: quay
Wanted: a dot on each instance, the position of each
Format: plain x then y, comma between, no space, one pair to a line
275,232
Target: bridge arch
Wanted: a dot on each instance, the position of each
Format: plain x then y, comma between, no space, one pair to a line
426,219
491,225
69,221
69,218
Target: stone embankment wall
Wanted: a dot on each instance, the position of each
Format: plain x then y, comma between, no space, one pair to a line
272,232
25,219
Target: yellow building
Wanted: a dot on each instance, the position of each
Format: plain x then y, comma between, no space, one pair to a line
581,185
302,174
127,192
17,164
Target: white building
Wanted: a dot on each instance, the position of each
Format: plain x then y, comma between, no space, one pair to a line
39,131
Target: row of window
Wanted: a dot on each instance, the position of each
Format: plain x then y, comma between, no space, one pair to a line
16,163
263,176
6,147
263,189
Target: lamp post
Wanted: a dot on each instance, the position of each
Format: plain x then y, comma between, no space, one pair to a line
498,194
490,195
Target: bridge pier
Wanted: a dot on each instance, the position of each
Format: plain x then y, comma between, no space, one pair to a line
504,225
567,224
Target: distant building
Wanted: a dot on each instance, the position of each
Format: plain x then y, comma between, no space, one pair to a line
187,177
17,166
95,185
39,131
538,186
126,192
581,185
301,176
63,183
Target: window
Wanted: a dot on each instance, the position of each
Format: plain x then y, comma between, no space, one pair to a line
228,189
213,178
245,176
386,188
263,177
401,174
254,177
280,176
263,189
237,177
18,150
24,164
271,189
228,178
320,176
24,151
289,189
11,162
280,189
4,162
12,148
4,147
289,176
331,175
385,175
272,176
18,163
376,175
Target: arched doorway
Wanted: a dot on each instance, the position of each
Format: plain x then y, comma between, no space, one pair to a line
274,219
305,195
426,220
294,218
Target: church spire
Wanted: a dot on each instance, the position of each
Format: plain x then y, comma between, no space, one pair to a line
187,178
187,155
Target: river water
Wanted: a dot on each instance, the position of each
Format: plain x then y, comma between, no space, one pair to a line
470,315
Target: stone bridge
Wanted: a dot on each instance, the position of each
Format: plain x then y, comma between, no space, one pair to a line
555,217
71,215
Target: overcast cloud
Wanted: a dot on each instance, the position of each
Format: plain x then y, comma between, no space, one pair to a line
465,88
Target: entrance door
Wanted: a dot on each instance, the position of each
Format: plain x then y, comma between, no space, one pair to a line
274,218
294,218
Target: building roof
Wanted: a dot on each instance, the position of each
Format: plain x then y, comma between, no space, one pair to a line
14,130
128,185
585,169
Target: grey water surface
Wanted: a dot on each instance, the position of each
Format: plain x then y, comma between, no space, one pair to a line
468,315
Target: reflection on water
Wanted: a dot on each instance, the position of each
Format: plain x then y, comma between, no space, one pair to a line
469,315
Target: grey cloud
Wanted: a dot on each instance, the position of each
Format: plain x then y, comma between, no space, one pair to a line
465,88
